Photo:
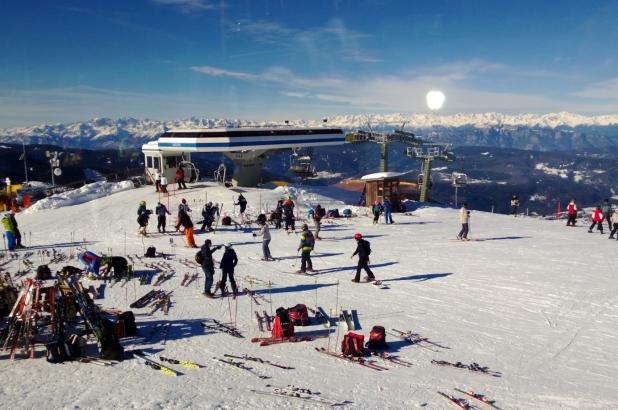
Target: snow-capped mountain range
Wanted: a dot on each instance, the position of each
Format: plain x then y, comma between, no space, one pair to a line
106,132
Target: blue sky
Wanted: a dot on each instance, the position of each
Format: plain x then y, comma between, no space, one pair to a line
255,59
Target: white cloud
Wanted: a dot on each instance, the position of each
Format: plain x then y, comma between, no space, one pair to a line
188,6
607,89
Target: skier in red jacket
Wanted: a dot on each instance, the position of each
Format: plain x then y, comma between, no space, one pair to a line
597,219
572,211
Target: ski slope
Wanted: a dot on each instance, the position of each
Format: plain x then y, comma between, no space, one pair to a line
529,298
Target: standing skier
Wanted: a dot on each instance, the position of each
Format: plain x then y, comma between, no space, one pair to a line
597,219
572,213
161,210
388,211
278,214
363,250
318,214
228,262
606,207
18,243
158,181
265,234
307,242
208,213
464,218
180,178
185,220
514,205
288,211
9,231
242,203
377,210
615,224
143,215
163,184
208,265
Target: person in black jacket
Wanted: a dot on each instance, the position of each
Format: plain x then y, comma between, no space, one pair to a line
208,265
117,264
228,262
363,250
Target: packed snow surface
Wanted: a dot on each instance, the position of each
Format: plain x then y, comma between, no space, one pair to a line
532,299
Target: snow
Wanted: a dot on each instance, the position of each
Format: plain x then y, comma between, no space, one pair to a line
538,197
86,193
562,173
530,298
381,175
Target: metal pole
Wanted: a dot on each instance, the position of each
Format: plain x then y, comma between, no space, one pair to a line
455,196
23,143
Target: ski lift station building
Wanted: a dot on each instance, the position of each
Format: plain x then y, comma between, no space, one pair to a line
246,147
382,185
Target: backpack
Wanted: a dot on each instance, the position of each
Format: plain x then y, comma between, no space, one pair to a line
298,315
125,325
282,327
377,338
347,212
368,248
151,252
43,272
226,221
353,345
61,350
198,257
321,212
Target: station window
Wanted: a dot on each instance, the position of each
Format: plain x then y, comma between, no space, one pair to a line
170,162
148,162
155,162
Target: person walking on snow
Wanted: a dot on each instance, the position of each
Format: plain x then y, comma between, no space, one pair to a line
227,265
208,265
143,215
597,219
242,203
185,220
307,243
363,250
318,214
388,211
163,184
606,207
572,213
265,234
158,181
278,214
161,211
377,210
180,178
615,224
18,243
464,218
514,205
288,212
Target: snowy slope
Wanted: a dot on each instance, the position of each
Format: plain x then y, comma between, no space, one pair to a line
532,299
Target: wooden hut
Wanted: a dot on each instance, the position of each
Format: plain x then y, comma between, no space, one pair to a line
382,185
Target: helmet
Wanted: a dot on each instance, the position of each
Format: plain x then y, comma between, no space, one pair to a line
376,202
184,201
142,202
357,236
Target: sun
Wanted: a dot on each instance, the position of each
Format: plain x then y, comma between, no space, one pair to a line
435,99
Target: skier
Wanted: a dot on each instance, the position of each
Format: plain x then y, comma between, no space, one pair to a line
116,263
307,242
377,210
18,243
163,184
92,262
464,218
606,207
228,262
318,214
158,181
572,213
161,210
388,211
278,214
514,205
597,219
207,214
615,224
265,234
184,205
288,212
208,265
185,220
180,178
9,231
242,203
363,250
143,215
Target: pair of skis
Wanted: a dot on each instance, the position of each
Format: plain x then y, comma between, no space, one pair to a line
222,328
391,358
463,403
267,341
242,366
415,339
258,360
371,364
264,322
162,278
301,394
473,367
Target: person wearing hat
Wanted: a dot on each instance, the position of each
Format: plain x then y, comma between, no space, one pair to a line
572,213
307,242
185,220
208,265
242,203
158,181
614,218
143,215
514,205
9,231
363,250
597,219
265,234
377,210
18,243
229,260
464,218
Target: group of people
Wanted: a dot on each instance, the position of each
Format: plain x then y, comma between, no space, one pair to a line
385,208
604,213
161,180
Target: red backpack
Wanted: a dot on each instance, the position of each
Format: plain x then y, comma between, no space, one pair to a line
282,327
353,345
299,315
377,338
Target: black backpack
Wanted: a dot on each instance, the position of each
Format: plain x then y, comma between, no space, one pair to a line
367,248
377,338
43,272
151,252
199,258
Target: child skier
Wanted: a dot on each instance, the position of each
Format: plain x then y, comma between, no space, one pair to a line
597,219
514,205
572,213
363,250
307,243
377,210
